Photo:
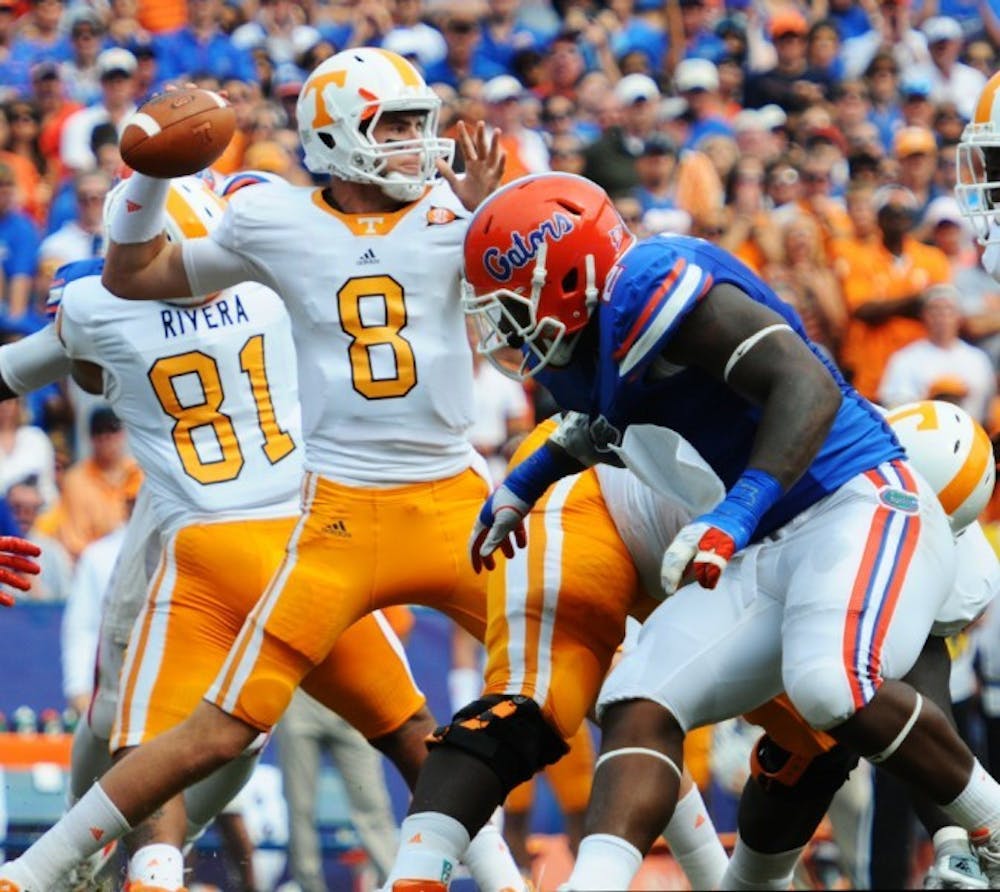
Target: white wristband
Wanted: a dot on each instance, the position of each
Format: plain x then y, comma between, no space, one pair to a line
138,212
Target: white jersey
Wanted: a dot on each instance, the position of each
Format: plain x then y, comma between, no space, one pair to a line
207,394
385,368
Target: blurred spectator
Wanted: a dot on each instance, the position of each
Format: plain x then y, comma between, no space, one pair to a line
782,184
86,34
525,149
815,199
81,622
56,108
611,159
95,490
411,36
306,732
697,38
566,153
202,46
751,234
979,294
641,35
697,81
951,80
32,190
504,33
809,284
791,84
83,236
915,371
147,70
53,583
882,282
916,149
850,18
281,27
116,68
944,227
882,76
722,152
13,65
823,50
39,37
981,55
948,125
851,106
244,97
25,451
891,30
564,67
916,108
462,37
124,28
18,247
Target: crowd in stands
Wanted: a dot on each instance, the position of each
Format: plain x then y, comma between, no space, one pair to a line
815,140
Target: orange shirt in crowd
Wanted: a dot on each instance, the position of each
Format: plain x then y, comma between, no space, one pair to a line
27,180
92,504
869,272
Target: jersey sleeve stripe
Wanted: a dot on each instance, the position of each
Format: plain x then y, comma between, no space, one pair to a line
651,305
687,291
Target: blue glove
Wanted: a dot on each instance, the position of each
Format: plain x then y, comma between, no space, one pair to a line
703,548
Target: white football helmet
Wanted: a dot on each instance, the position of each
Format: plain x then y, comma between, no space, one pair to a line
978,164
952,452
193,210
341,102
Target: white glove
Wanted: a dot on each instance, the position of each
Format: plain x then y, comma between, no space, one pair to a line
501,516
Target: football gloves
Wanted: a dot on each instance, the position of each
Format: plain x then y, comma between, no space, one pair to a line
500,525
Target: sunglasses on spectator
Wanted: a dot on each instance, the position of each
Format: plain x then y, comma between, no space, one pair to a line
84,32
814,177
712,231
461,27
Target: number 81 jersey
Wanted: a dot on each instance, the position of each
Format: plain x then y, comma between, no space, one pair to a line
207,394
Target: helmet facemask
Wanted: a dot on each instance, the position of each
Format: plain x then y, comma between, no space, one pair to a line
506,319
978,182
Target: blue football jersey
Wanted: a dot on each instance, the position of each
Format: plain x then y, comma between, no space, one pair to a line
626,381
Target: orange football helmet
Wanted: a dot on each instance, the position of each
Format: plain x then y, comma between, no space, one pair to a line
537,254
978,160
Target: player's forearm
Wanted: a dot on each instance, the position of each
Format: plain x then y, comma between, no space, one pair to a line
133,271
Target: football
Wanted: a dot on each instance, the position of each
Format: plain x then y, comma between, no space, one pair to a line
177,133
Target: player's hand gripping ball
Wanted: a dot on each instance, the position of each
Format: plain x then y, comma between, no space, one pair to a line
178,133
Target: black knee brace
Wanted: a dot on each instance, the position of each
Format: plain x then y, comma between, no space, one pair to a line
508,734
780,772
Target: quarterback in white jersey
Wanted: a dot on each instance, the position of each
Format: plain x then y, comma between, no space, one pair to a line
385,520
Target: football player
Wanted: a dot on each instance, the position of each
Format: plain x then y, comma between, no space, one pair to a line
368,268
830,558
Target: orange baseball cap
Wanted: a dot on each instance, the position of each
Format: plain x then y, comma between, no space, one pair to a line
788,21
913,141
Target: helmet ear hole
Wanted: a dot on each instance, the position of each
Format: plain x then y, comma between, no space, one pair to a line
570,280
326,139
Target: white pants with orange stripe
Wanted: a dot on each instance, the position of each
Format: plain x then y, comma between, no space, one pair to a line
837,600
